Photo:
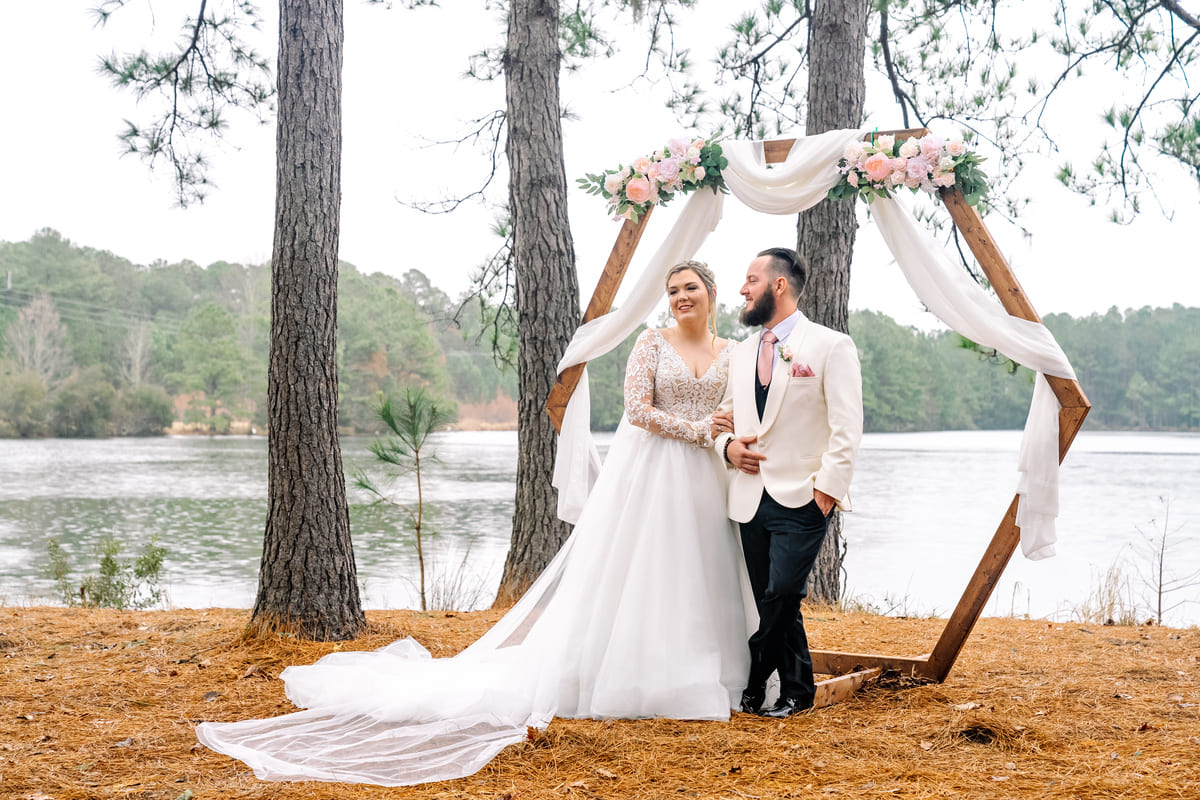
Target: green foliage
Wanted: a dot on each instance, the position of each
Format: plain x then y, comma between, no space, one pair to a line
1137,369
205,332
23,402
214,69
410,422
118,583
143,411
209,359
384,344
996,68
84,406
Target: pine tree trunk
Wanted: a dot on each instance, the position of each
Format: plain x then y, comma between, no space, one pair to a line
307,583
547,286
836,86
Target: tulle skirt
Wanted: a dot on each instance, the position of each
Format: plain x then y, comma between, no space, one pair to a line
644,612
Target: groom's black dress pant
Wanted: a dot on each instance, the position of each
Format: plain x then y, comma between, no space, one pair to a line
781,545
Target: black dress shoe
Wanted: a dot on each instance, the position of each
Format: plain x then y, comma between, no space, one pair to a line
752,700
786,707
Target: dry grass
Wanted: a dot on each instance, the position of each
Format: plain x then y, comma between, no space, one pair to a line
101,704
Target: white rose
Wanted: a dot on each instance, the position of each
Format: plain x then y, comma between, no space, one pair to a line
693,154
854,151
946,164
886,142
910,148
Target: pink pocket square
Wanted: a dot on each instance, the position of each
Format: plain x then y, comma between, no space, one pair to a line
802,371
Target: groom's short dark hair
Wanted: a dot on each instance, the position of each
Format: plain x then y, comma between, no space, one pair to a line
785,262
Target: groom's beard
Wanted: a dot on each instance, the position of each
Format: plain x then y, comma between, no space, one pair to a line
761,312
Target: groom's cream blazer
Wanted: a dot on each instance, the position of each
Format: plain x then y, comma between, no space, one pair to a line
811,426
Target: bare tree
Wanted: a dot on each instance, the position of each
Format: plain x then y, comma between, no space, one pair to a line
135,355
36,341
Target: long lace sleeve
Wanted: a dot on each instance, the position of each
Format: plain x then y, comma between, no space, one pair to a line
641,374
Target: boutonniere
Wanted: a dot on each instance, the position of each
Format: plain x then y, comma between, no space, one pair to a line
797,370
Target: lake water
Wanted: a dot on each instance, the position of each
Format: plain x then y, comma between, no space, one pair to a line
926,507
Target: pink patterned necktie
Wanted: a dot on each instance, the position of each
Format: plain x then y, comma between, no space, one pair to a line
766,357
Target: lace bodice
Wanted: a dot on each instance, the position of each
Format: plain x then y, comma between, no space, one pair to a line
664,397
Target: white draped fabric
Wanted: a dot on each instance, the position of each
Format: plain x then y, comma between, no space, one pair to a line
939,282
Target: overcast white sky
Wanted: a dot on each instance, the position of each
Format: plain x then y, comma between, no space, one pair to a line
403,86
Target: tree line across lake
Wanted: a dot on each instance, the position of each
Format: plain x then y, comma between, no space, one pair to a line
94,345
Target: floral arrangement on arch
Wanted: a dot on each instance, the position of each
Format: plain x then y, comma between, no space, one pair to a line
877,167
683,166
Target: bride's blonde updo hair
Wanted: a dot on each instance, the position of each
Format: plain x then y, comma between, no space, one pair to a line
710,284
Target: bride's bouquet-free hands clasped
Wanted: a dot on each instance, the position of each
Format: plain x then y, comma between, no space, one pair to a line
875,168
683,166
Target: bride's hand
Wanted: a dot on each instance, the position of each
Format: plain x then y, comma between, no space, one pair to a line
722,422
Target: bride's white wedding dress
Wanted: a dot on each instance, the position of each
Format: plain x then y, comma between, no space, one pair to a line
643,613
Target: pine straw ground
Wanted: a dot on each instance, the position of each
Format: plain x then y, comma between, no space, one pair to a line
101,704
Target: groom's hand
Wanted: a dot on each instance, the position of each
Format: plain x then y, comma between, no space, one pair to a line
742,457
825,502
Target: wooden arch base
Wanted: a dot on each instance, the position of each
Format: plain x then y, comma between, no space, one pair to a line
850,671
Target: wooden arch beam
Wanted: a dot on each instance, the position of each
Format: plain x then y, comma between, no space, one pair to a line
855,669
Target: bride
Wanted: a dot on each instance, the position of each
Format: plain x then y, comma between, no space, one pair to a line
643,612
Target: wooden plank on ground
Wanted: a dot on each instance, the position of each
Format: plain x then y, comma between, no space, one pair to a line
835,690
829,662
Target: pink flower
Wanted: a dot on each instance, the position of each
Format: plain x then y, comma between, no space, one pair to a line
638,189
853,152
877,167
885,142
931,146
945,179
918,167
678,147
668,169
700,173
642,165
693,154
912,183
955,147
852,178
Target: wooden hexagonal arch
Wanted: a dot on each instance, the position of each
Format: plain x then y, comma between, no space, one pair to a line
852,670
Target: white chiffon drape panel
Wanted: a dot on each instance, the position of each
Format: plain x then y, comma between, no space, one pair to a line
800,182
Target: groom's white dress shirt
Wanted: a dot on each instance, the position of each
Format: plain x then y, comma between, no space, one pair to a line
811,425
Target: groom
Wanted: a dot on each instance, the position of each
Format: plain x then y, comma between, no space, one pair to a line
795,392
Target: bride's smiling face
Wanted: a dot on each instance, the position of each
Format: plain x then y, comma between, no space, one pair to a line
688,296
